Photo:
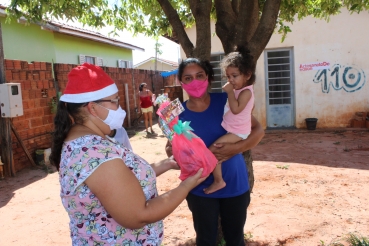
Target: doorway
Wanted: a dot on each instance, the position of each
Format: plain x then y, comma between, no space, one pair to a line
279,88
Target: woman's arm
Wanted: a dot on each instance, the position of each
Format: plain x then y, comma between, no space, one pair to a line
237,104
224,151
118,189
168,149
164,165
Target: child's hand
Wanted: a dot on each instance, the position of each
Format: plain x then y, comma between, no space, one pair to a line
228,87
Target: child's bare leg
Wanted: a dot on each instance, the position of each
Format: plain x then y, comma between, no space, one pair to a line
218,180
228,138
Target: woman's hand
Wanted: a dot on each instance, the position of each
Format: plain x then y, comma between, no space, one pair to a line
164,165
223,151
168,149
193,181
173,164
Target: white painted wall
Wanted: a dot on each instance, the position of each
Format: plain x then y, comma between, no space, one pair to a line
343,41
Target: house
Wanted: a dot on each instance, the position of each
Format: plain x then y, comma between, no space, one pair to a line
319,71
161,64
60,43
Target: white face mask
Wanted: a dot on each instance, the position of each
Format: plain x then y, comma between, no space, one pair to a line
115,118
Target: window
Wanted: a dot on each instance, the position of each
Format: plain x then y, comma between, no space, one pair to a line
90,59
124,64
219,78
279,76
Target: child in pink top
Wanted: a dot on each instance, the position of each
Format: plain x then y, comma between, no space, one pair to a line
239,68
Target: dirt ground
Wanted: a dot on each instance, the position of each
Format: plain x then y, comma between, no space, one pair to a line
311,188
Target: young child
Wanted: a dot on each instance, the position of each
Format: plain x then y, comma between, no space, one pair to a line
239,68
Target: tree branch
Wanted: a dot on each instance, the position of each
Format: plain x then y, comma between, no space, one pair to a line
247,20
201,12
235,6
178,26
225,25
265,28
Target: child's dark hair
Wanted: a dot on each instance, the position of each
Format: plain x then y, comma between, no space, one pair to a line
242,59
203,64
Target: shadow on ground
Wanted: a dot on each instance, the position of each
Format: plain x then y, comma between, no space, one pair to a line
10,184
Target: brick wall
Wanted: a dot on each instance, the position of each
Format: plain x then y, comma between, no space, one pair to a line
36,124
174,92
171,80
37,83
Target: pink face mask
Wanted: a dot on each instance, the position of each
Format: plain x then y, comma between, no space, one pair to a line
196,88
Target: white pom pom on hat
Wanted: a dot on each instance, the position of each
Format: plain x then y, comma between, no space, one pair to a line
88,83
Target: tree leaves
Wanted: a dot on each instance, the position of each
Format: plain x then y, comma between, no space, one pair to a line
148,17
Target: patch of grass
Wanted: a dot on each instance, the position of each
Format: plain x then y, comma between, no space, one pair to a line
222,242
353,239
247,236
283,167
356,239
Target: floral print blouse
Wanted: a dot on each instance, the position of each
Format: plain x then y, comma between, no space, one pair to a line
90,223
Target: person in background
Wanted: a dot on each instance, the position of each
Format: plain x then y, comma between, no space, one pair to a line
121,136
108,191
146,97
205,112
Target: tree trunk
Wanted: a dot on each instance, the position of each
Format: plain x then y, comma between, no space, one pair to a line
250,168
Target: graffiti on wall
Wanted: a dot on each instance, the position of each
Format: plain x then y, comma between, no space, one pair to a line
340,77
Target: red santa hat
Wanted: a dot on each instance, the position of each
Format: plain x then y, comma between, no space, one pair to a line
88,83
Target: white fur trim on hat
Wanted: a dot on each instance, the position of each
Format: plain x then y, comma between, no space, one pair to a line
90,96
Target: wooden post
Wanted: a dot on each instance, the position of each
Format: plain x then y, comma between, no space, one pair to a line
22,144
5,129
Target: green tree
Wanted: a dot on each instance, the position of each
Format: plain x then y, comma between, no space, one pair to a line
158,51
237,21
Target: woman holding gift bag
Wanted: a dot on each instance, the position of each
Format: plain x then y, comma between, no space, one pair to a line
205,112
108,191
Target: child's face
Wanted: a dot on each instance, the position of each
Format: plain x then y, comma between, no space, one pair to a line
237,79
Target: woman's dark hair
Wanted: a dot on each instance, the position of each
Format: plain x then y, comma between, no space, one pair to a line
66,115
242,59
141,86
203,64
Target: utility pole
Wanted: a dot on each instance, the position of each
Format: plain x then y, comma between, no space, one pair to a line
5,126
157,51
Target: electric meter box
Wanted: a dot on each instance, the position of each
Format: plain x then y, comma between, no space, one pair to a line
11,100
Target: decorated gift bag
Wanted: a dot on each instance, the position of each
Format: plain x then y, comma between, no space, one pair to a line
189,150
